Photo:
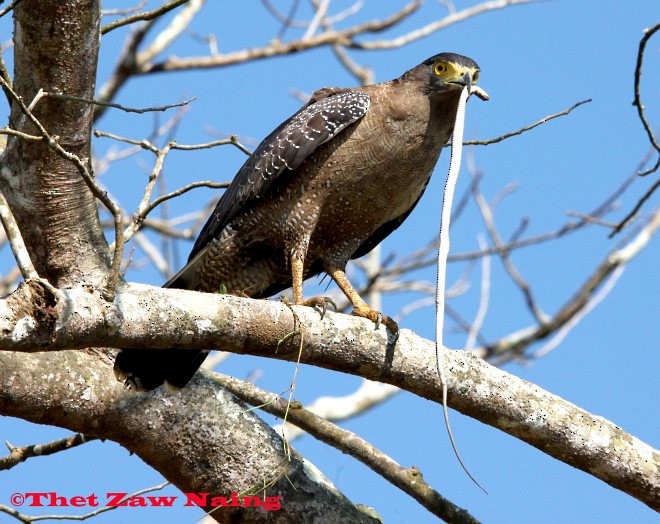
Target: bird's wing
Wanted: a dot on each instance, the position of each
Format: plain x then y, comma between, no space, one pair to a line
328,112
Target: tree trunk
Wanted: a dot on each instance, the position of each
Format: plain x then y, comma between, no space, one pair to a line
56,46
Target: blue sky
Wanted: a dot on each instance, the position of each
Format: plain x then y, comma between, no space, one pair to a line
536,60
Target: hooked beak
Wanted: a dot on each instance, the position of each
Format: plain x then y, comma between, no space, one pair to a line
465,80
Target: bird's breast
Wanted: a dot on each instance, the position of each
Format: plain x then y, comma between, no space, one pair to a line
383,164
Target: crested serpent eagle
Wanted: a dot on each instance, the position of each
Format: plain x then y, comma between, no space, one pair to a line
326,186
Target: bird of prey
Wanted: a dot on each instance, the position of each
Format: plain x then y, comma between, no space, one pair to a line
325,187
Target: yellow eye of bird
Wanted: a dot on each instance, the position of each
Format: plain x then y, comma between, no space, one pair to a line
475,77
440,68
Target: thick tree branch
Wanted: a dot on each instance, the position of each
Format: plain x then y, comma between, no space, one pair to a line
144,316
200,438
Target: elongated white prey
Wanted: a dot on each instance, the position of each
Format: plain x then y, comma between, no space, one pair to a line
443,253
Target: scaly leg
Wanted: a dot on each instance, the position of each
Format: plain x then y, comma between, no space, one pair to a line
297,274
360,307
297,279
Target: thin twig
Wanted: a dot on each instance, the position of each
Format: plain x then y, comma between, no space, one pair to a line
563,332
20,134
146,144
166,37
286,20
4,73
21,454
590,219
652,169
635,209
525,128
451,19
367,396
125,67
484,296
648,33
29,518
146,16
141,212
321,10
487,215
121,12
194,185
140,111
277,48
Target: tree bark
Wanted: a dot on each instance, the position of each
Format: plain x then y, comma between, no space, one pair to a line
201,438
145,316
56,46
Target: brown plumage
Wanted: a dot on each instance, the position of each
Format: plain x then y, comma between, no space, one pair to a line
325,187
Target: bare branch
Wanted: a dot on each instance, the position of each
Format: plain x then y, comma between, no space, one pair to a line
513,272
516,343
484,296
147,15
635,209
119,12
321,10
525,128
20,134
146,144
140,111
143,206
408,480
4,73
167,36
145,316
11,6
21,454
16,240
29,519
286,20
648,33
124,68
652,169
153,254
451,19
590,306
277,48
590,219
334,409
204,183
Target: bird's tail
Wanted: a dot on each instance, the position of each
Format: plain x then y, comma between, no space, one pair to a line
146,369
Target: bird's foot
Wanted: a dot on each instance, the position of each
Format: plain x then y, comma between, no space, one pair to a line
321,303
377,318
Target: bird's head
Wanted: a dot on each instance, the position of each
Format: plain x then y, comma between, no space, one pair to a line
445,72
